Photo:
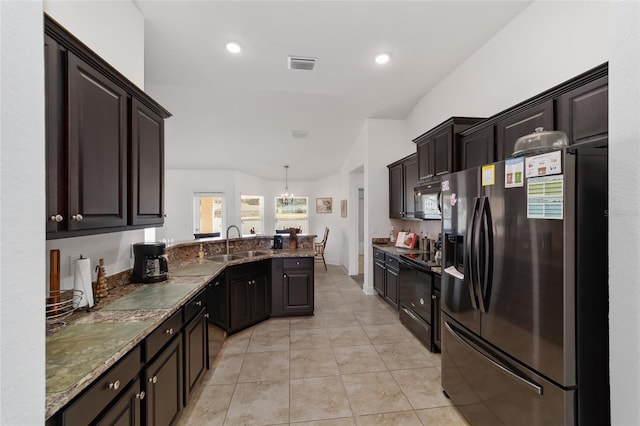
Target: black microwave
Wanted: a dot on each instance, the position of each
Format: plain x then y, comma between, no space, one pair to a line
427,201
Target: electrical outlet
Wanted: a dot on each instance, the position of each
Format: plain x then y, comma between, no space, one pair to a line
72,264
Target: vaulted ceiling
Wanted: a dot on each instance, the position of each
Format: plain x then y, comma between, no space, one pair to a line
237,112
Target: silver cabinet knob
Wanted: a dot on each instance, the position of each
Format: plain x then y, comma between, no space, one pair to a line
206,315
140,395
114,385
153,379
169,331
77,217
433,296
199,303
56,218
285,275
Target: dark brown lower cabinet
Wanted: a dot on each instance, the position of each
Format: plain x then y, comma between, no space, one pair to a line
127,410
195,352
164,385
386,270
101,394
292,286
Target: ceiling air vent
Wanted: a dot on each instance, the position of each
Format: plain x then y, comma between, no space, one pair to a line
298,134
301,63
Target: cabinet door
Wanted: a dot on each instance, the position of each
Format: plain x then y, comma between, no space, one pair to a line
97,126
126,412
261,298
391,287
426,153
410,182
379,274
442,144
584,113
524,123
164,385
218,302
396,203
240,303
55,87
477,149
146,188
298,291
195,353
277,288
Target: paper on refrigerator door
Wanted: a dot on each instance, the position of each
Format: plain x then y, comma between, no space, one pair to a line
451,270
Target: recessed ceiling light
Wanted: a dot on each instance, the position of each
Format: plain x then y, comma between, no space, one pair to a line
233,47
382,58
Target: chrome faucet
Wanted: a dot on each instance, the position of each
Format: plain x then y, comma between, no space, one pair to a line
239,235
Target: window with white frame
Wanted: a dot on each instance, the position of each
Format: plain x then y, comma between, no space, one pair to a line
208,213
292,212
251,214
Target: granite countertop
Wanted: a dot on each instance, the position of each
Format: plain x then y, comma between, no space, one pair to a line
95,341
390,248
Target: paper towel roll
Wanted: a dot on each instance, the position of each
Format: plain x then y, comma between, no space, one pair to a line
82,281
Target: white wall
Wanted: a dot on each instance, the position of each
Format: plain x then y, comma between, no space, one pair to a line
99,25
624,204
180,185
22,272
112,29
548,43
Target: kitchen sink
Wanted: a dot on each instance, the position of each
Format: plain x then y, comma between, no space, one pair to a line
250,253
235,256
225,257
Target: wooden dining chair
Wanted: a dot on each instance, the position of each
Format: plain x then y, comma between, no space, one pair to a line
319,247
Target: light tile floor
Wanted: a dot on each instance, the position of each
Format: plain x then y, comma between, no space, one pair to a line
352,363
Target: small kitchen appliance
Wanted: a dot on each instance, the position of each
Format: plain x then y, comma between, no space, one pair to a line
150,264
277,242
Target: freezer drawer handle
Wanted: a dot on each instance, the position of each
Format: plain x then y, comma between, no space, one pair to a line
538,389
414,317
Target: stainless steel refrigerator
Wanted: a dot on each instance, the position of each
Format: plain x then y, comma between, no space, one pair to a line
525,290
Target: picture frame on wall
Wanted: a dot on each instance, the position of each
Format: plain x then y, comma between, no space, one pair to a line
324,205
343,208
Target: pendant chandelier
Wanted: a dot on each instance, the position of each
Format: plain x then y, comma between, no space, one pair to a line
286,197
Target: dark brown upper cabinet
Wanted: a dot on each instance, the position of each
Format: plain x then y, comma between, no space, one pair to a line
520,124
436,149
476,149
97,122
583,113
104,144
147,166
55,135
403,177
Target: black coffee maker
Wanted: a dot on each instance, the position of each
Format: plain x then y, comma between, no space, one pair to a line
277,242
150,263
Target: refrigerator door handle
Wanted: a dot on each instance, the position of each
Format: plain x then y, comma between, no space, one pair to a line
533,386
470,258
485,265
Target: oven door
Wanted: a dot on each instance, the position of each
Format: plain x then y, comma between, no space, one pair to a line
415,289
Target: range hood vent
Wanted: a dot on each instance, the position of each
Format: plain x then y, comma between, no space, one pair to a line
301,63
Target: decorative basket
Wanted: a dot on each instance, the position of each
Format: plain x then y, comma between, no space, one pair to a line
60,305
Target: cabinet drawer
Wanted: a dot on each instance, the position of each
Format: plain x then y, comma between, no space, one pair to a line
378,255
247,270
87,407
194,306
162,335
298,263
393,262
